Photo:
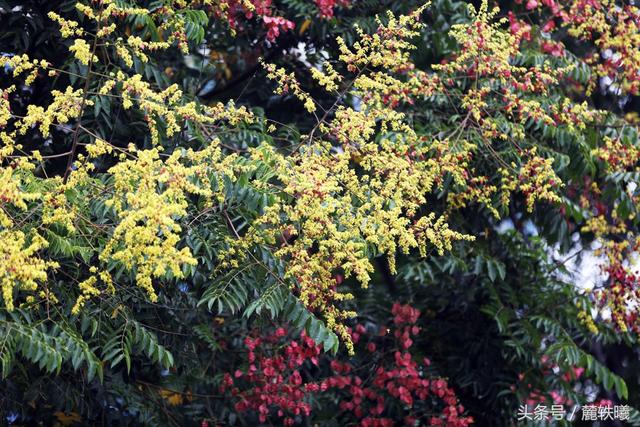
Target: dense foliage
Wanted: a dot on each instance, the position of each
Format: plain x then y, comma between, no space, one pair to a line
327,212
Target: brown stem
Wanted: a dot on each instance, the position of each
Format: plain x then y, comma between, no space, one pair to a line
85,94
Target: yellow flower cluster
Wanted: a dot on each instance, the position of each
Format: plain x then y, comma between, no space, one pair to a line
136,46
538,180
5,107
82,51
21,268
56,209
68,27
150,196
497,97
616,155
575,116
342,207
600,226
329,79
614,30
169,24
586,319
288,83
508,185
12,192
483,42
64,107
139,46
389,48
437,233
169,106
88,288
340,218
476,190
21,64
98,148
147,234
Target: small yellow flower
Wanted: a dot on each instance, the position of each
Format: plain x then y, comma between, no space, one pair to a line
82,51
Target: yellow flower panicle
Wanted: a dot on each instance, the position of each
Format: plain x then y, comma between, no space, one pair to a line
617,155
329,79
614,32
88,290
21,268
68,27
20,64
12,192
64,107
147,234
150,196
57,210
82,51
288,83
169,106
586,319
363,199
499,101
538,181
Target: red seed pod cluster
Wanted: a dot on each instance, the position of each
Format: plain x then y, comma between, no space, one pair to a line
621,296
262,10
608,25
279,386
275,381
327,6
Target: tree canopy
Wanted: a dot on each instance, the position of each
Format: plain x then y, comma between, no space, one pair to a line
327,212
